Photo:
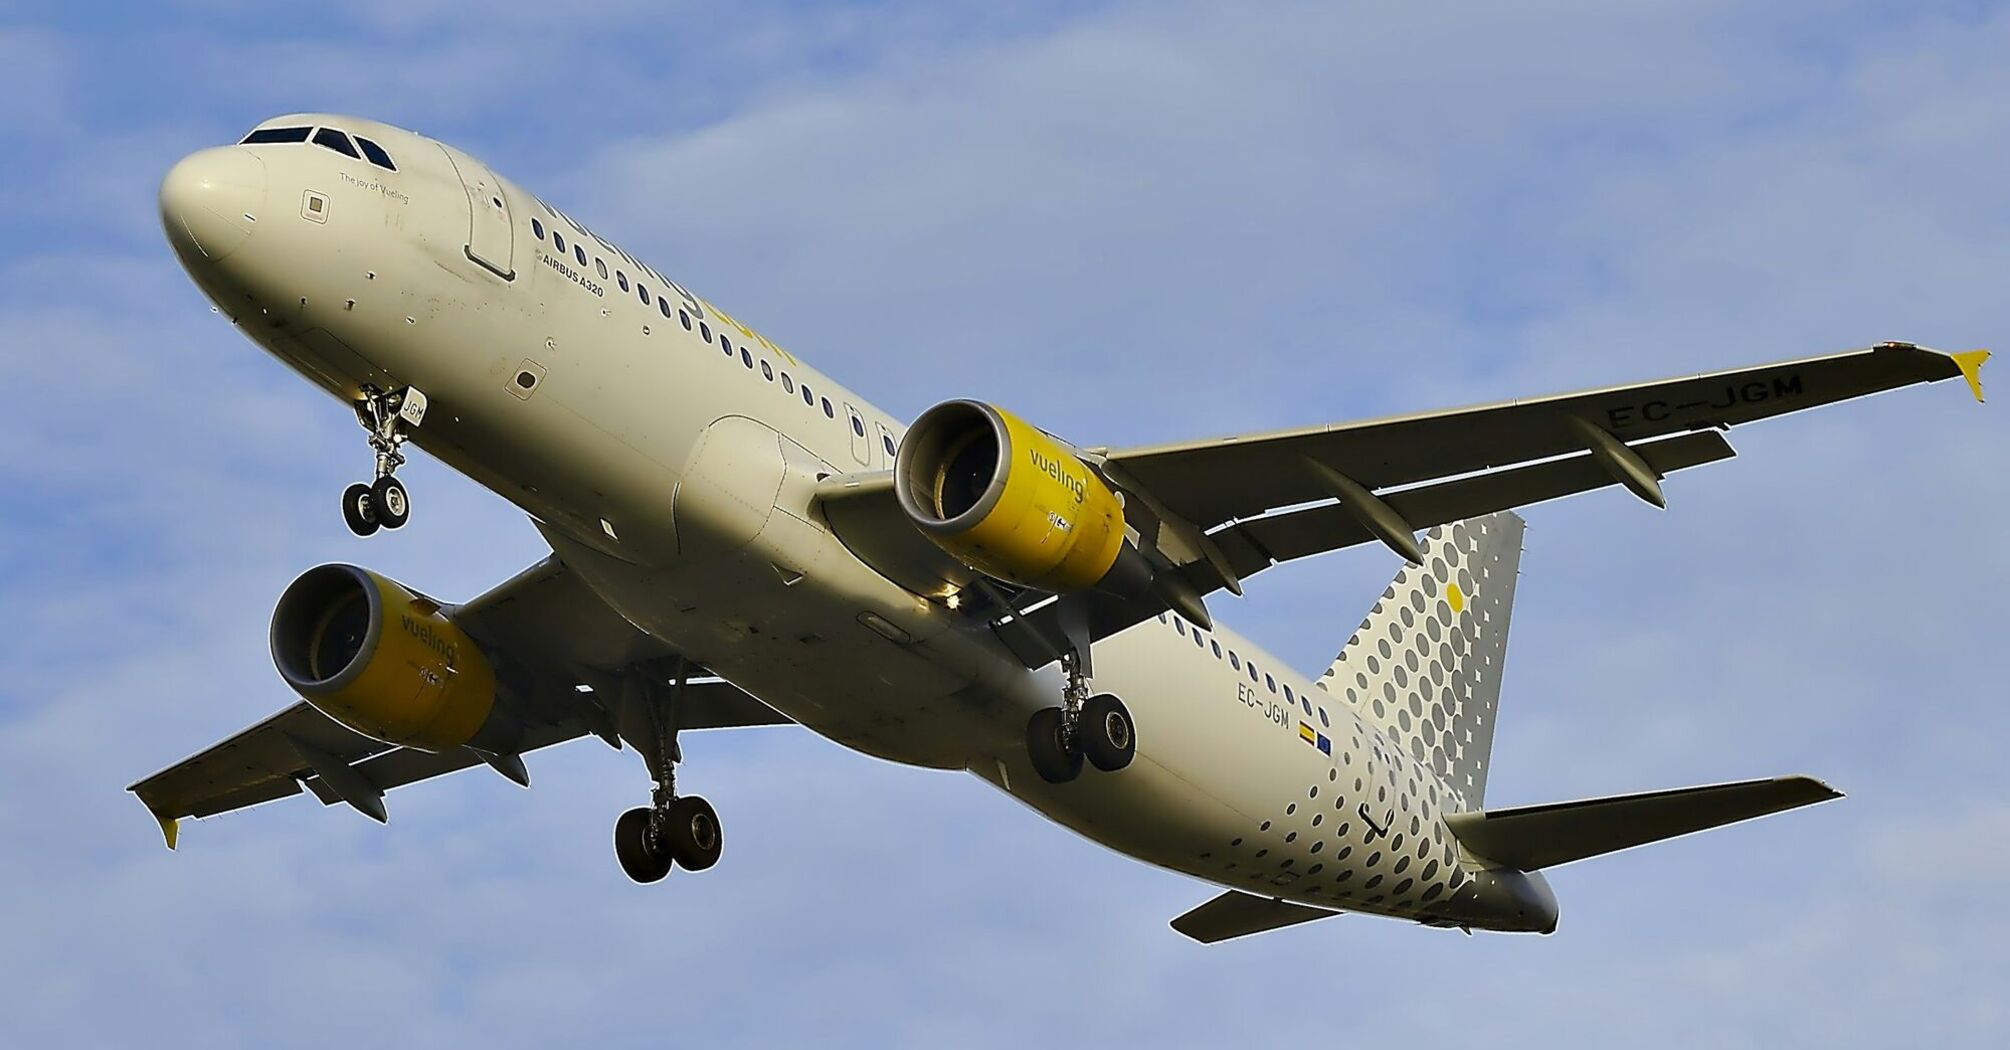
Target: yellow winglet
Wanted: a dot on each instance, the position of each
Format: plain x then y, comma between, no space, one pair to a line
1970,363
170,828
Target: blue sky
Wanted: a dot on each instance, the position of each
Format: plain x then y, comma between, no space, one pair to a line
1131,223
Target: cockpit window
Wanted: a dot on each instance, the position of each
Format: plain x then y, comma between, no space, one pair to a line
375,154
276,135
336,141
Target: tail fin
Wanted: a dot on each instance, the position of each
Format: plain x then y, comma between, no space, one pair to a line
1425,665
1532,837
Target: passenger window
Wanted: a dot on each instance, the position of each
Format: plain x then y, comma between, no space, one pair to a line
858,426
1252,671
788,385
888,442
829,412
1307,705
705,331
1179,628
376,154
642,292
767,371
1197,642
558,241
685,318
579,252
264,135
727,345
336,141
1287,692
601,265
1217,649
809,398
1322,719
663,307
537,229
745,357
1234,660
621,279
1271,684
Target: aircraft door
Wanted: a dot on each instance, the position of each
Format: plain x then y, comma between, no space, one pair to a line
491,230
861,443
885,444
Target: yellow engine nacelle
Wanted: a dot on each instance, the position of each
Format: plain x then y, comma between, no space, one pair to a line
381,660
1009,500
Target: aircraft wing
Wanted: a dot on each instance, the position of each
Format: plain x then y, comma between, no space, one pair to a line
1216,481
1221,510
543,621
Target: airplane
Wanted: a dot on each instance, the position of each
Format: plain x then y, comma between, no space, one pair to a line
738,540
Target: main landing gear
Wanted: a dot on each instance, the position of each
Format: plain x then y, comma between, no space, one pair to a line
1097,728
383,503
671,830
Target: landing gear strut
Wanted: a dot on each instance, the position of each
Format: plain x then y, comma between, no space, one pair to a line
383,503
671,830
1097,728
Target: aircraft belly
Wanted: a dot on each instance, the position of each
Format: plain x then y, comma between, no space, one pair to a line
802,646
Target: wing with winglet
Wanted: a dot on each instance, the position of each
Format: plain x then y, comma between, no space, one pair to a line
563,642
1216,512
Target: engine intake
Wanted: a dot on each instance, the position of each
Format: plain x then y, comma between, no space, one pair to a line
1011,501
385,662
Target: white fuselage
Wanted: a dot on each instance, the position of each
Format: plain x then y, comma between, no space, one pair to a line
676,476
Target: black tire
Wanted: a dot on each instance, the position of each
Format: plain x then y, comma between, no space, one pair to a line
389,503
639,859
1048,748
358,510
1109,737
691,833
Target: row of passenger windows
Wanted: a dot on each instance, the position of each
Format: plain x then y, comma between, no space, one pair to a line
1237,662
704,329
358,148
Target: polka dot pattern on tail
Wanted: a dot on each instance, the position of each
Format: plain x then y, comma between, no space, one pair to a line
1425,665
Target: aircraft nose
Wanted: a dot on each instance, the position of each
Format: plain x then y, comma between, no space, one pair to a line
211,201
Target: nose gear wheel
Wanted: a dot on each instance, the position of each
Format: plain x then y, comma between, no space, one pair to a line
387,417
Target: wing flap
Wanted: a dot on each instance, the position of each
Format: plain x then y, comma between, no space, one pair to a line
1238,914
1256,544
1533,837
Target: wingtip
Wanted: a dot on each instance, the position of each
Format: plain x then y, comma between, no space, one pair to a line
1818,786
1970,362
170,830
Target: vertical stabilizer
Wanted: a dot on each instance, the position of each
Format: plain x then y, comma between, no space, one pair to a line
1425,665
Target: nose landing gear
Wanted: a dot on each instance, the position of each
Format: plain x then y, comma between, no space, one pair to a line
671,830
383,503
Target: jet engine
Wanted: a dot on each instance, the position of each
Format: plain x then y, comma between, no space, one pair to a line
1013,502
386,662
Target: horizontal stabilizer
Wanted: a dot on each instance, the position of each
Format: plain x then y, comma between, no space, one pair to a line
1533,837
1238,914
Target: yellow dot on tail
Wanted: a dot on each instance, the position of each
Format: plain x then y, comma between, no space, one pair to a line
1457,596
